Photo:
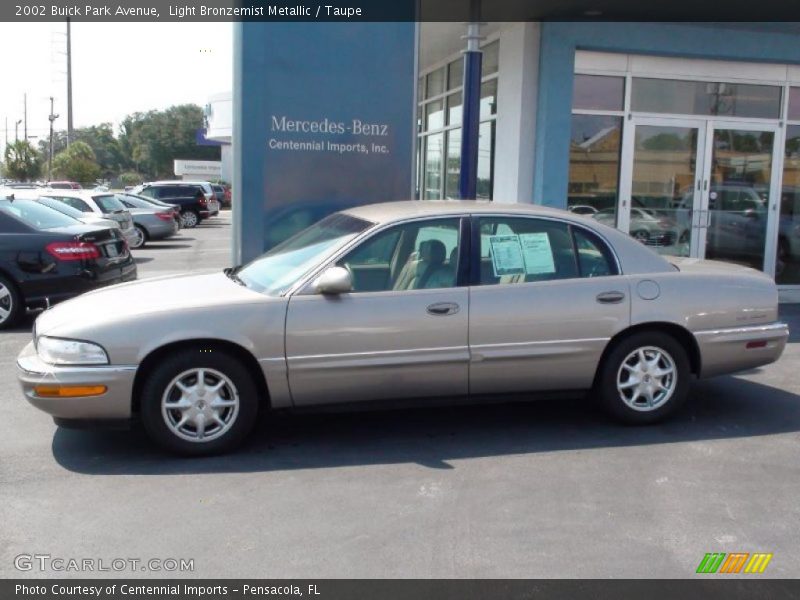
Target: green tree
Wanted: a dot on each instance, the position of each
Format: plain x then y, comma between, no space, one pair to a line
22,161
100,138
76,163
151,141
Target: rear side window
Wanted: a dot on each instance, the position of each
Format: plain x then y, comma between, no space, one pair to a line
527,250
37,215
594,257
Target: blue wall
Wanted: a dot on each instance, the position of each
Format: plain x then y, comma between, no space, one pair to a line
303,95
557,64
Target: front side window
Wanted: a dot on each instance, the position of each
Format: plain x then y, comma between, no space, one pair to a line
524,250
279,269
420,255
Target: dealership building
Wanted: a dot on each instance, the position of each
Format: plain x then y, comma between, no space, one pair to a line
685,135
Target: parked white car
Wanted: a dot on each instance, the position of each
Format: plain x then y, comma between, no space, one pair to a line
106,205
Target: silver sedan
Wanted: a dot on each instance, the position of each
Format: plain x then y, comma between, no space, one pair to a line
397,301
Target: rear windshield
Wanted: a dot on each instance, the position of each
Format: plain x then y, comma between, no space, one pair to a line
109,203
62,208
37,215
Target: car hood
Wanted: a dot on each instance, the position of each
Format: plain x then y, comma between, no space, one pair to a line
129,301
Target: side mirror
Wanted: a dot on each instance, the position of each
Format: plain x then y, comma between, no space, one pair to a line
334,280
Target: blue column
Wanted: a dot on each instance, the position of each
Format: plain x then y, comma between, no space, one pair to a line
470,116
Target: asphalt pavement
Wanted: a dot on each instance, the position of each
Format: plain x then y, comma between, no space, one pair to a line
549,488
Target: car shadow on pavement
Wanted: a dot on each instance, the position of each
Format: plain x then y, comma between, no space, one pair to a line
167,246
727,407
141,259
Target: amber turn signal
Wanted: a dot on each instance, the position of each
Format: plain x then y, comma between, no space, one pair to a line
69,391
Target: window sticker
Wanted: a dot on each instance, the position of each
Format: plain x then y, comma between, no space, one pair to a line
537,253
506,255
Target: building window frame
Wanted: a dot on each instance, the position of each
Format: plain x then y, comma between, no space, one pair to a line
447,127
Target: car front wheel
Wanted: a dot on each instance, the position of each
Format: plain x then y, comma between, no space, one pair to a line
199,402
644,378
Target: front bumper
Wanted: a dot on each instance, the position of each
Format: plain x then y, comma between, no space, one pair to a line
726,350
115,403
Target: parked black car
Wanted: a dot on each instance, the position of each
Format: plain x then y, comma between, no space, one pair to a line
195,202
47,257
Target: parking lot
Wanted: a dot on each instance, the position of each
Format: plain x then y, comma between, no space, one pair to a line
541,489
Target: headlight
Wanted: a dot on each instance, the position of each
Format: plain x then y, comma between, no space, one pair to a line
70,352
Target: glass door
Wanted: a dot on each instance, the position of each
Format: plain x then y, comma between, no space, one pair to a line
661,200
739,198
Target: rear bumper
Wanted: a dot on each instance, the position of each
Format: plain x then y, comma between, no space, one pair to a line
161,229
114,404
129,235
726,350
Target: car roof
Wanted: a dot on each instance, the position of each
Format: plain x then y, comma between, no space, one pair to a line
391,211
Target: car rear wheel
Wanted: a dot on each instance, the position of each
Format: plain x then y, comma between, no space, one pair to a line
140,239
644,378
199,402
10,303
189,219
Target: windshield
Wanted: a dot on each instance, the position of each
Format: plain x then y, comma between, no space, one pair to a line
276,271
37,215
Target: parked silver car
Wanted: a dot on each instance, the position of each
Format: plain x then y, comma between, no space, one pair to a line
403,300
151,222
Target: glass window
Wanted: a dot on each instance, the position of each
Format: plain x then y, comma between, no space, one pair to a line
276,271
794,104
109,204
488,99
594,156
453,164
490,60
432,183
434,83
420,89
705,98
787,264
420,255
434,115
75,203
37,215
594,257
486,134
523,250
454,109
455,74
598,92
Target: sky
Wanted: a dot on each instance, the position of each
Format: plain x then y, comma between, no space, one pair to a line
117,69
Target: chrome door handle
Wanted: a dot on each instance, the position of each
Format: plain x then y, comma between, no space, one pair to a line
610,297
441,309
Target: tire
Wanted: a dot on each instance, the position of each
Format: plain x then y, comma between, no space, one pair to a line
646,403
10,303
190,219
141,238
640,235
237,410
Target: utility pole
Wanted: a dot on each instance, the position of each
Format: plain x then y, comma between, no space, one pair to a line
25,115
69,82
52,118
16,130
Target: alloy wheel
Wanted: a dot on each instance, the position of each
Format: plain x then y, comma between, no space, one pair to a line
189,219
200,405
6,303
647,378
138,241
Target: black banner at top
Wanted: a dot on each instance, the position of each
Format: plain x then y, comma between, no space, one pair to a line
396,10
